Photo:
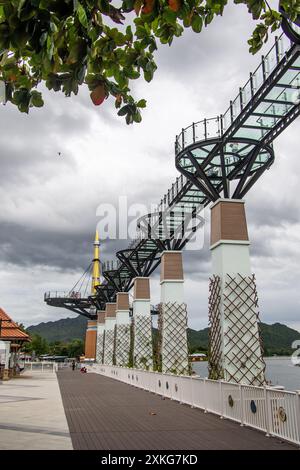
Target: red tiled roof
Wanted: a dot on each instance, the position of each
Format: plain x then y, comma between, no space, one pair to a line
9,329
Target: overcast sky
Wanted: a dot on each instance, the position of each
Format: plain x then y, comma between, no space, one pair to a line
48,202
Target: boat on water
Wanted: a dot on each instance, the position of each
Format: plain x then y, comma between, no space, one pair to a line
197,357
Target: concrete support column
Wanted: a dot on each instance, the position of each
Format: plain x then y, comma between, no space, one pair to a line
100,337
173,315
7,358
122,330
142,324
235,347
109,342
91,340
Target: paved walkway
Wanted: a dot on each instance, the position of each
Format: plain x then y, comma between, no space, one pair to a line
106,414
32,415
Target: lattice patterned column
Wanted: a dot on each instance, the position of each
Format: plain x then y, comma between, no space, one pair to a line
235,345
109,340
142,325
100,337
91,340
173,311
122,330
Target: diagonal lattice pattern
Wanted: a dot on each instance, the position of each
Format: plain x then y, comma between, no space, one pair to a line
100,348
174,348
143,350
122,345
109,347
243,360
215,367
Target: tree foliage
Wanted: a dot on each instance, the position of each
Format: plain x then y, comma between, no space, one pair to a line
40,346
103,43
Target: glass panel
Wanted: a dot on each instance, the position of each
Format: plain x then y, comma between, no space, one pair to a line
226,120
199,131
188,135
259,121
236,107
289,77
258,78
271,108
250,133
213,128
282,94
246,93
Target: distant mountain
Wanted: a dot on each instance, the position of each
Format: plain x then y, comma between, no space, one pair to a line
63,330
277,338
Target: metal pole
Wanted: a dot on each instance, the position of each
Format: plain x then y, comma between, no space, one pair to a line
277,49
221,400
241,99
231,111
268,412
242,403
251,85
263,67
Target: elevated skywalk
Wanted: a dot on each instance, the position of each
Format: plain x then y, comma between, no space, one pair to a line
237,145
217,157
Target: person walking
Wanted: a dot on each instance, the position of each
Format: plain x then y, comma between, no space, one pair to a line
73,365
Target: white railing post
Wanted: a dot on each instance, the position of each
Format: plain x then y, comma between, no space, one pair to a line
205,395
213,398
221,400
242,403
268,412
297,397
192,392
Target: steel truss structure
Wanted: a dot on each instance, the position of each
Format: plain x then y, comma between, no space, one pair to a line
218,157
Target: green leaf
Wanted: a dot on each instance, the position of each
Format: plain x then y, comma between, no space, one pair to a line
197,23
36,99
124,110
50,47
142,103
137,117
82,15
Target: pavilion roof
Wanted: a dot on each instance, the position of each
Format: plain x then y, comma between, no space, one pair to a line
9,330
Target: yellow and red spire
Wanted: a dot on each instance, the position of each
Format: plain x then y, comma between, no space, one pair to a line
96,271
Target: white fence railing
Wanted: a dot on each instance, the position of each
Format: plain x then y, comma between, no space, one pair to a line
41,366
276,412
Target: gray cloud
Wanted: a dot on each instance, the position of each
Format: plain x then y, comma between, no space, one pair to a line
48,203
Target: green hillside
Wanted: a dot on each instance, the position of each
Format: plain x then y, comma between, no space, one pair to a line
277,338
64,330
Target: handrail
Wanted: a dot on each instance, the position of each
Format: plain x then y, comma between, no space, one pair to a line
213,396
203,130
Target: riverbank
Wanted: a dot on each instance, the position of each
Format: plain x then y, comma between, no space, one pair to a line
279,370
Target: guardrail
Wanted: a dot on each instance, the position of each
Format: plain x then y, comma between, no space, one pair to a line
62,295
41,366
217,126
275,412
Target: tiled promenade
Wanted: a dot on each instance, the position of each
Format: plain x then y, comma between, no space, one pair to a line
32,415
106,414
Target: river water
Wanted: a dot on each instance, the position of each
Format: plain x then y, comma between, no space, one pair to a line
279,370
